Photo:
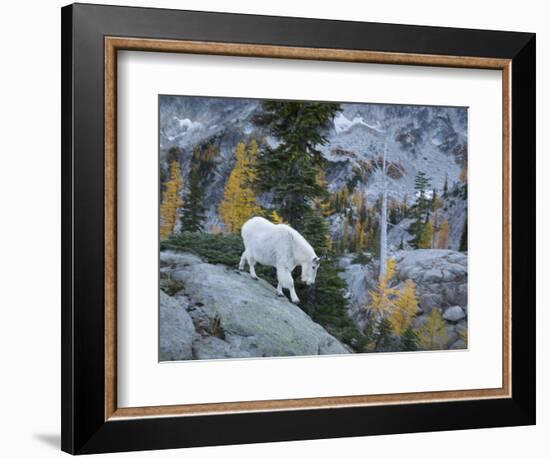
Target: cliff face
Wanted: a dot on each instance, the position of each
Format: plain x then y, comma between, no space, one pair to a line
418,138
214,311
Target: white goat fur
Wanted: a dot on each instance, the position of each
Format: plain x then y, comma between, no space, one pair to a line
282,247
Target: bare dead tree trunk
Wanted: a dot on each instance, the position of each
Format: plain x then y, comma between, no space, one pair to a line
384,216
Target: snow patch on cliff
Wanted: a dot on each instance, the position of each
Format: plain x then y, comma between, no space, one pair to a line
343,124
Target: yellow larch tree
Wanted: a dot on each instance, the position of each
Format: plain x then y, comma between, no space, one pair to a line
443,235
171,200
340,199
239,201
344,196
276,218
320,203
383,297
359,237
404,309
432,335
357,199
426,238
463,335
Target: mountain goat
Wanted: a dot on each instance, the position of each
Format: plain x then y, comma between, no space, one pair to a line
282,247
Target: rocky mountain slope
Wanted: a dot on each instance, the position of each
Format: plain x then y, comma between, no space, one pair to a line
214,311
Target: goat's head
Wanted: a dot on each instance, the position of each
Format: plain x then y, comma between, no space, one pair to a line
309,270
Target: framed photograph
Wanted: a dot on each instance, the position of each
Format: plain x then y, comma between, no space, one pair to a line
281,229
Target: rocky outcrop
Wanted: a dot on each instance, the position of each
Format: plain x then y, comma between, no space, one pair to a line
441,279
177,331
234,316
399,234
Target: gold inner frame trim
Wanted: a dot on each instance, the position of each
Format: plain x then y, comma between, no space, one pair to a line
114,44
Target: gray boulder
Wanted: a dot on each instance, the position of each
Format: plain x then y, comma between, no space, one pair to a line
177,331
462,327
236,316
428,301
441,278
454,313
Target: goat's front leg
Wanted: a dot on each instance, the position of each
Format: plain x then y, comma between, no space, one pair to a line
293,296
285,280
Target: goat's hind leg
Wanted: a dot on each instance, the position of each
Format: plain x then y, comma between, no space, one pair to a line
251,263
243,260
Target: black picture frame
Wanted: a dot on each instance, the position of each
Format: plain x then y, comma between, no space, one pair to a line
84,428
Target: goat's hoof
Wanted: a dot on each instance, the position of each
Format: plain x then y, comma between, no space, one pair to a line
255,277
296,301
280,294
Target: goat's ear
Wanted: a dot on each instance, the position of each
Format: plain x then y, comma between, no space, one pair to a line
316,260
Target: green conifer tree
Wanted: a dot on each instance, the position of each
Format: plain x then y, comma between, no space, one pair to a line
202,161
289,170
192,215
409,340
420,209
383,334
